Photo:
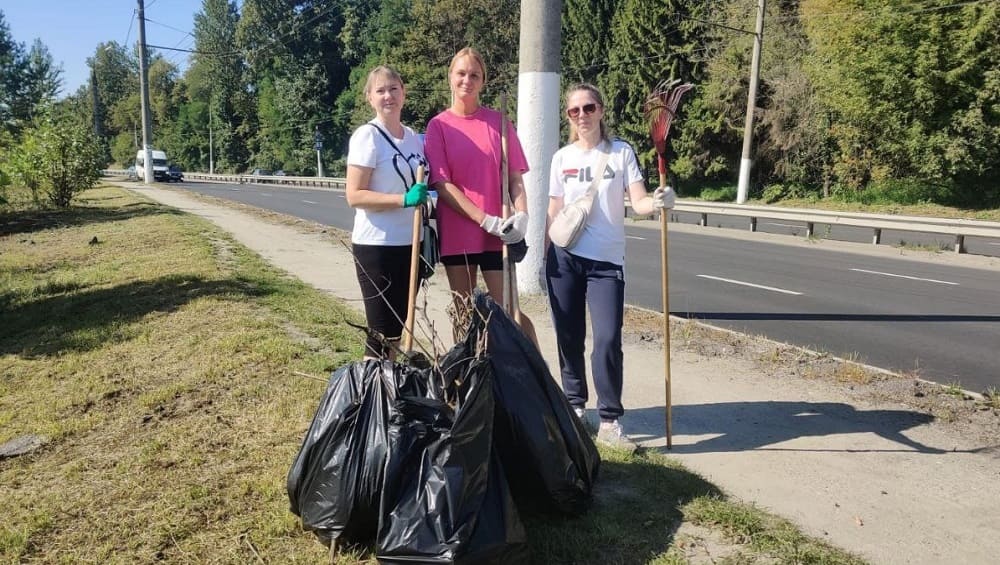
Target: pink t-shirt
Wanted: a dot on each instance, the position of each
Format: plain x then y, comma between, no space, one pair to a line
465,150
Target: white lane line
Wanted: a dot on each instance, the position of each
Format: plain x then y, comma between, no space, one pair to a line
993,244
771,288
266,194
310,202
904,277
782,225
634,237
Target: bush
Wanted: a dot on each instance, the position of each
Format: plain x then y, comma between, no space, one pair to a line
775,192
58,159
906,191
721,194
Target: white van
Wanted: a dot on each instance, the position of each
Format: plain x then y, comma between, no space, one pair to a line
159,165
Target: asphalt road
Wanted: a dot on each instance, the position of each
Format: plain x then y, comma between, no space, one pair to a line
939,321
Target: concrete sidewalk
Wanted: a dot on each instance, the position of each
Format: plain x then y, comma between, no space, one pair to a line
880,480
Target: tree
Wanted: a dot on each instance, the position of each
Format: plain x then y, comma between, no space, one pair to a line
651,42
586,38
912,93
116,74
217,68
29,79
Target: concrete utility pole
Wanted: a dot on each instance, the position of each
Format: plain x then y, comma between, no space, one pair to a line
211,155
538,100
147,123
745,161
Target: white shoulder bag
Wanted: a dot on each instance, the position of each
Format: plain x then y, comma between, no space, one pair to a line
569,223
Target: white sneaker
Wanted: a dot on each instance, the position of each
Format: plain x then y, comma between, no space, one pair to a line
612,435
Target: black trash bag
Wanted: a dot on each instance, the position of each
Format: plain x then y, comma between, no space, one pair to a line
446,499
335,483
550,460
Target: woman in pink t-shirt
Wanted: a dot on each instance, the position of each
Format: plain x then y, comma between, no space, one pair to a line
463,147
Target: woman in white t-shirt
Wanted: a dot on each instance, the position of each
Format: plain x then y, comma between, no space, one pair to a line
590,274
382,187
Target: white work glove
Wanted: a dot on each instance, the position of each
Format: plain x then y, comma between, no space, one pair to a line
514,228
491,225
664,197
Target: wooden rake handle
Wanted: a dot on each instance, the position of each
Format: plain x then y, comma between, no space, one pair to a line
411,305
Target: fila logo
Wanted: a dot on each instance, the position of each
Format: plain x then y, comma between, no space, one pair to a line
585,175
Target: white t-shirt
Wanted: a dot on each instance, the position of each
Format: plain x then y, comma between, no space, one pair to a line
369,149
603,238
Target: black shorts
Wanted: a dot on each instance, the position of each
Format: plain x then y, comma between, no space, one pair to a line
487,260
384,275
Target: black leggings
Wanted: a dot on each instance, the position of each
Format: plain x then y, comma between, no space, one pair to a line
384,276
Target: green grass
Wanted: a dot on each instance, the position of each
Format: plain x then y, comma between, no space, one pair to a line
161,363
991,397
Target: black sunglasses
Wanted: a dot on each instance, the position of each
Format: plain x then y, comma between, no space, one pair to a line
587,109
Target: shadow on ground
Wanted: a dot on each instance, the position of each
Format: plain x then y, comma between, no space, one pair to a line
635,516
747,426
84,320
30,221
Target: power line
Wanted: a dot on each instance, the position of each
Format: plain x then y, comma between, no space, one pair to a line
169,27
879,12
195,51
131,22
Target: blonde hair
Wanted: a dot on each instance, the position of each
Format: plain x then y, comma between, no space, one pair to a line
381,71
596,95
468,52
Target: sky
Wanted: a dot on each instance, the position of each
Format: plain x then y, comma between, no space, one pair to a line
71,29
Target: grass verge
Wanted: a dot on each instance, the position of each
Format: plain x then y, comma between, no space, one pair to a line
158,358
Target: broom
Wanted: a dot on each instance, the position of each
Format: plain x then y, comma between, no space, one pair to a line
661,107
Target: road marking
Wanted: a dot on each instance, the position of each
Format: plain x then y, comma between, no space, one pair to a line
904,277
771,288
782,225
266,194
635,237
310,202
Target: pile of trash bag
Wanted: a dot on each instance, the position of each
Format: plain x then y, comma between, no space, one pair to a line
437,464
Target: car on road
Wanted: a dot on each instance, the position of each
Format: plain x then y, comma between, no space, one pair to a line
130,173
175,174
260,172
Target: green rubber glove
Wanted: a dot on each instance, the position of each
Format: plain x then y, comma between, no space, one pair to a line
417,194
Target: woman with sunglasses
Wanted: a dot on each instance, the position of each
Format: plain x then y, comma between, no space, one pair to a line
464,148
590,274
382,187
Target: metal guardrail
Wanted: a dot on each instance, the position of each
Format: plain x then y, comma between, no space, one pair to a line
325,182
959,228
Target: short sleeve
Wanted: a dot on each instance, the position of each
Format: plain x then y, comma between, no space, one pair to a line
434,150
361,150
632,171
556,188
